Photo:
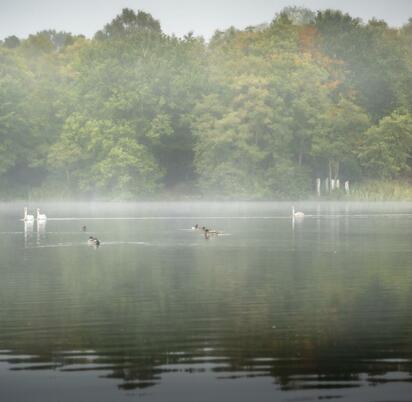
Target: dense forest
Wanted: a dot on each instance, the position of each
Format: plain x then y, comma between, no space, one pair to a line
258,113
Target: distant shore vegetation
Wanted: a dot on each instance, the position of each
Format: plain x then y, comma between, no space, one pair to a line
259,113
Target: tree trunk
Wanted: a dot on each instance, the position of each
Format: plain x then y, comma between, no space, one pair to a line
68,178
301,151
334,167
330,170
337,166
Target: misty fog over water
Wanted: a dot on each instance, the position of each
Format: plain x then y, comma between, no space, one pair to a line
271,308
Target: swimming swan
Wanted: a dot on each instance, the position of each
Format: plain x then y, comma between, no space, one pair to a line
41,217
27,218
297,214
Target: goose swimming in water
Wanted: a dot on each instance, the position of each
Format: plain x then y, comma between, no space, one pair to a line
41,217
26,217
209,232
93,241
297,214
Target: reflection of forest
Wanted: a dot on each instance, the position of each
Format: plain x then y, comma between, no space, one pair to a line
306,363
311,317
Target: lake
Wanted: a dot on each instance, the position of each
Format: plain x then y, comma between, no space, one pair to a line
272,309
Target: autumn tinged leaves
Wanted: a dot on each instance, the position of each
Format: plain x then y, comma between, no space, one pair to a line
257,113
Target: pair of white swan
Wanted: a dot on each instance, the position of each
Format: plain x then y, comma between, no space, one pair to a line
30,218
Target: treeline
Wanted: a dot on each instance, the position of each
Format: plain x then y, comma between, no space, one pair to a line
255,113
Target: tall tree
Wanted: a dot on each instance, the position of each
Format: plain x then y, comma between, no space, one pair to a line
341,134
386,149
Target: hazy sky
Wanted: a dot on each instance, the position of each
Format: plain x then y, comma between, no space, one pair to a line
22,17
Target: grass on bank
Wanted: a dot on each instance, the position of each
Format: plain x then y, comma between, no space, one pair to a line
377,190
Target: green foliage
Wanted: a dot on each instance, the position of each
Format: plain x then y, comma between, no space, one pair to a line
14,129
100,156
341,132
289,181
255,113
11,42
374,58
299,15
387,147
378,190
127,24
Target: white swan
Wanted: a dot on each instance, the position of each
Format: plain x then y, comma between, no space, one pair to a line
41,217
27,218
297,214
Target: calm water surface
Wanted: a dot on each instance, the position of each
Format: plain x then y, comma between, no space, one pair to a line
272,310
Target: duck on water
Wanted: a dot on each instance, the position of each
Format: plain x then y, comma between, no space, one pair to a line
93,241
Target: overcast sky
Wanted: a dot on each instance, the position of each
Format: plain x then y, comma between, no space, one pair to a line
203,17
